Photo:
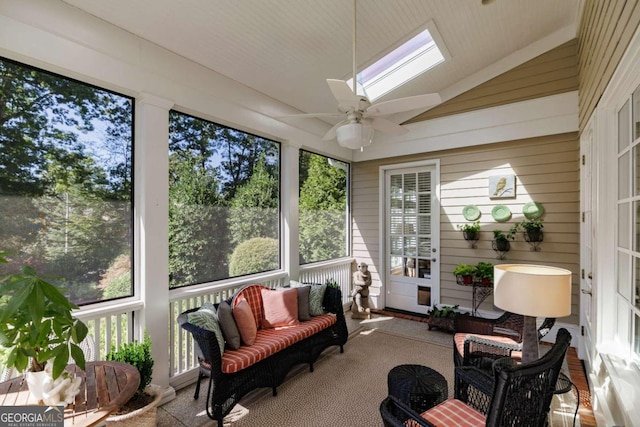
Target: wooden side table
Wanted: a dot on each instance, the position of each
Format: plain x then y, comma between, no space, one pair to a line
106,386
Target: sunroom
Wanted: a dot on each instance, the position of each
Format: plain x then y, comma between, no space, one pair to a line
148,152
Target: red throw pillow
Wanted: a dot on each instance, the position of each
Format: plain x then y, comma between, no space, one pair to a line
280,307
245,321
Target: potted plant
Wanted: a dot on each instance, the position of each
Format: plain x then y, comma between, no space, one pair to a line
501,239
532,230
38,331
446,311
442,317
470,232
464,274
484,272
141,409
332,300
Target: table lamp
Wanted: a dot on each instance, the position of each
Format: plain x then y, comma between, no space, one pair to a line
533,291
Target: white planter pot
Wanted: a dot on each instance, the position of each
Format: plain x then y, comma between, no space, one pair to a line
143,417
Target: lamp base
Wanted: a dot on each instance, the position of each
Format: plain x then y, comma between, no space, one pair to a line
529,340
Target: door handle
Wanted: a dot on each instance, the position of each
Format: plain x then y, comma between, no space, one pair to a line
590,276
433,259
585,291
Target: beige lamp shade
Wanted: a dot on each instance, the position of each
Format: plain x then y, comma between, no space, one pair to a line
532,290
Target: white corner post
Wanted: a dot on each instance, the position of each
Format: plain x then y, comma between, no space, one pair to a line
152,227
290,191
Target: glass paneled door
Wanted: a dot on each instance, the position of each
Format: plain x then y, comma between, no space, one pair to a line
412,239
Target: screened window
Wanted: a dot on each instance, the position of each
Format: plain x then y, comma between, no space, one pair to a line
224,202
66,181
323,208
628,241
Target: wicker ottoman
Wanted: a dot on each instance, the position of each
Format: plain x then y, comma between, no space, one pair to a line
418,386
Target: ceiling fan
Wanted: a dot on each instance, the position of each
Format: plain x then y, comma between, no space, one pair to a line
360,116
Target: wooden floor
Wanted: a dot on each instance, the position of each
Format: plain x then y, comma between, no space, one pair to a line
576,371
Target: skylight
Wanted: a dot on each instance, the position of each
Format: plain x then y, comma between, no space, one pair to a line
409,60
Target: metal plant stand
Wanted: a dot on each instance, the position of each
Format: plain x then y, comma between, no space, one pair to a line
480,292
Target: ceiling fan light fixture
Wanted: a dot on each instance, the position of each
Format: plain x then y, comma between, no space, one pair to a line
355,135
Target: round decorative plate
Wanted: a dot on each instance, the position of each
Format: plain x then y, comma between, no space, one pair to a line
471,212
533,210
501,213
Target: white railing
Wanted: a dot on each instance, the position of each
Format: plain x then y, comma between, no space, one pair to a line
110,325
338,270
183,358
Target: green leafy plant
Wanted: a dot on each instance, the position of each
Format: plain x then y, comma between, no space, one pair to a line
36,323
446,311
484,270
332,283
254,256
531,225
505,235
137,354
469,228
464,270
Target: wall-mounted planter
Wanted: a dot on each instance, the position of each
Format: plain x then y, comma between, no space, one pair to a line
471,233
501,246
534,238
472,237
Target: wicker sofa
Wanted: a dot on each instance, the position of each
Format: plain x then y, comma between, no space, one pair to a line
265,363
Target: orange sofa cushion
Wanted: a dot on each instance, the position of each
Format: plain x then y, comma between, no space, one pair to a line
271,340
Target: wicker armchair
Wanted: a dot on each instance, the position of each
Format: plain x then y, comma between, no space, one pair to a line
480,338
521,395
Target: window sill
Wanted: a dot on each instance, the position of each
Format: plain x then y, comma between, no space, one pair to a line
624,379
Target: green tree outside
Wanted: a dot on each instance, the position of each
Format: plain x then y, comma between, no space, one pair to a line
322,208
223,190
65,176
254,209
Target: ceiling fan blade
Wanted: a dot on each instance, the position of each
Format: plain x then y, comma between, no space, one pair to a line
404,104
344,95
386,126
332,132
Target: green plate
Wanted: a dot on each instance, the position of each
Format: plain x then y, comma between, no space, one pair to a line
471,212
501,213
533,210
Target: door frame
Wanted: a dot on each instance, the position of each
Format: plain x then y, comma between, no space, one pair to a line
382,225
587,279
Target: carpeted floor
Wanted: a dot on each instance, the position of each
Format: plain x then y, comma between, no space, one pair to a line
345,389
359,374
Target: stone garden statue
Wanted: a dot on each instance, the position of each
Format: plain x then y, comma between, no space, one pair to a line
360,293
